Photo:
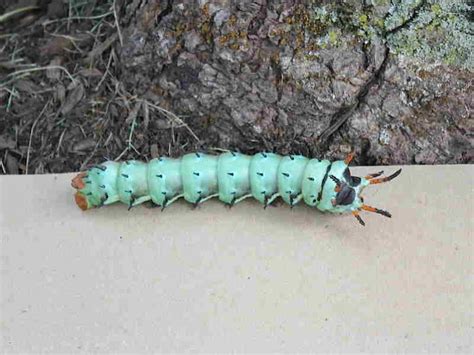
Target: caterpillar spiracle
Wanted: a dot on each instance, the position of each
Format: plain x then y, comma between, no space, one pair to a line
232,177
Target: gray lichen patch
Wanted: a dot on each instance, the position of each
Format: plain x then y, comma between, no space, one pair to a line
433,31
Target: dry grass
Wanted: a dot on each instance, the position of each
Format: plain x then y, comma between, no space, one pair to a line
63,106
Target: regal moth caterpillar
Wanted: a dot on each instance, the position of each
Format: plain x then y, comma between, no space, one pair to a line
232,177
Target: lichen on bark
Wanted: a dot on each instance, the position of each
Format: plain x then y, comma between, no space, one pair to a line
316,77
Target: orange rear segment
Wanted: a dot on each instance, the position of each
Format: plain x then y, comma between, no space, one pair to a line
77,182
81,201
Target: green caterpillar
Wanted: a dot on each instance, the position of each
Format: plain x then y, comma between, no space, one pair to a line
231,177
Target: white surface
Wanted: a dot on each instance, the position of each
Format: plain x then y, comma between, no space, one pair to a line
244,279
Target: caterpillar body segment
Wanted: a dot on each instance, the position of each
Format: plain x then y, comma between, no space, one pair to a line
231,177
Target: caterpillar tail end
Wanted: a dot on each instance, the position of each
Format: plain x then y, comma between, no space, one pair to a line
77,181
80,199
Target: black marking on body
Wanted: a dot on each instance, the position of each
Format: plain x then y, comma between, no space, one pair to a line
320,194
128,191
103,199
233,154
198,155
355,181
335,179
345,196
127,162
165,201
347,175
231,174
102,186
285,174
124,175
351,180
234,198
292,157
260,174
264,155
132,200
88,182
291,201
100,167
311,178
195,204
159,176
197,174
89,194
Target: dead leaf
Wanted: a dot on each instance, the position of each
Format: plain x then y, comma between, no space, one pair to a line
54,73
84,144
27,86
12,164
73,97
60,93
56,46
6,142
133,113
56,9
154,151
90,73
146,115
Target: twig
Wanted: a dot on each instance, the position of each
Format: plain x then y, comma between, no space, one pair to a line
121,154
85,162
61,137
3,167
132,128
5,16
78,18
173,118
31,136
29,70
117,25
106,71
100,48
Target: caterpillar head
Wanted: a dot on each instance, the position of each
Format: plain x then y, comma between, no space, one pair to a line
348,190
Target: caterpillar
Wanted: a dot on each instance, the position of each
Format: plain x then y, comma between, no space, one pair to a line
231,177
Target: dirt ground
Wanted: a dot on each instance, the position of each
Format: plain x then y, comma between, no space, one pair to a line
81,82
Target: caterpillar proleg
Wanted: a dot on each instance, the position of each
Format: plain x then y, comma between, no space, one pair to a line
231,177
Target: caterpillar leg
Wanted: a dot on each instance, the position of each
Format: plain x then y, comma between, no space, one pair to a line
373,175
204,199
167,202
376,210
373,181
269,200
237,200
141,200
295,200
357,216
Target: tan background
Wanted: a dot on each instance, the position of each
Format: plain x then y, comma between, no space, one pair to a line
245,279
